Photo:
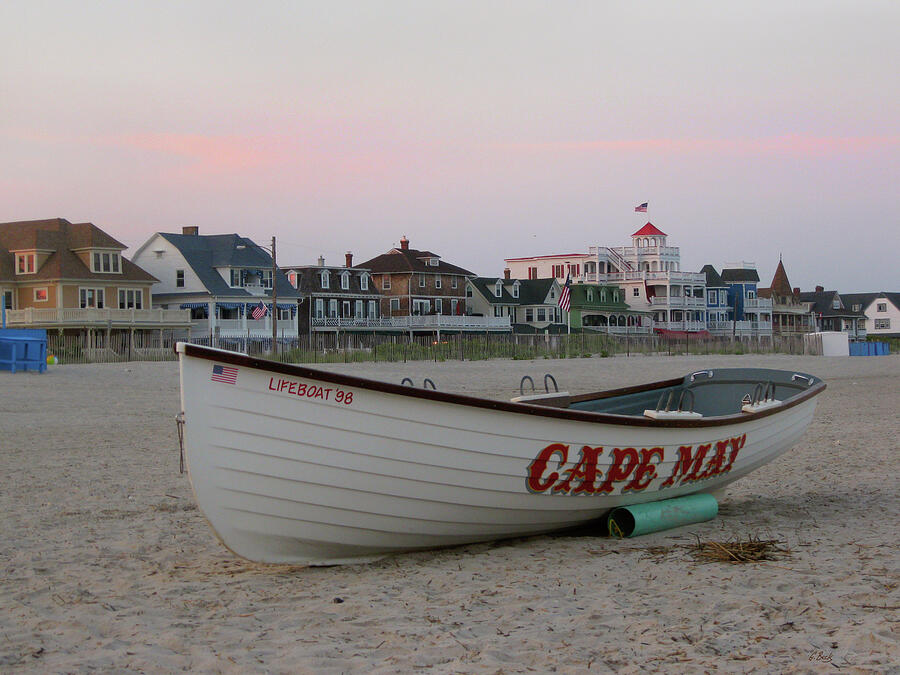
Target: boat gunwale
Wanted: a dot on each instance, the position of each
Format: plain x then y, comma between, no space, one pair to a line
296,370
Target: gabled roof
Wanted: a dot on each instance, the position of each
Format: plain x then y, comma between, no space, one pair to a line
866,299
649,230
63,238
740,275
823,304
411,260
531,291
579,297
205,253
713,280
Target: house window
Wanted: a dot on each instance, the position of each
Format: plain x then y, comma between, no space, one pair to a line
325,280
454,306
40,295
8,299
320,308
373,309
453,282
498,311
179,278
395,304
881,307
131,298
332,309
106,262
529,314
437,281
292,278
635,291
438,306
364,282
421,281
558,271
91,298
421,307
25,263
835,304
468,291
345,280
541,314
751,295
358,309
386,283
532,273
856,307
515,290
882,324
723,297
433,262
267,278
345,309
590,294
284,314
498,289
235,278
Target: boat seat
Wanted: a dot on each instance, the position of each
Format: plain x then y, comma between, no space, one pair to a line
557,399
672,414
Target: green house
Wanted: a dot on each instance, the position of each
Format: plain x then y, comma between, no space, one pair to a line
603,308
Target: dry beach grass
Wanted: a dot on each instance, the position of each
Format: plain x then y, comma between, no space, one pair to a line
107,564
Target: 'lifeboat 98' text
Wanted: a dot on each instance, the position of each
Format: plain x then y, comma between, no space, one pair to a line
313,391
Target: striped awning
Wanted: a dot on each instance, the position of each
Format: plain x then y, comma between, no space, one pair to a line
193,305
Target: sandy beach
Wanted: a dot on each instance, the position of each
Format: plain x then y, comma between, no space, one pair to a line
107,564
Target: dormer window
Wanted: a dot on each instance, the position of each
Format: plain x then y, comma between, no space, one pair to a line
590,294
498,289
105,262
345,280
325,279
515,290
433,262
25,263
364,282
836,304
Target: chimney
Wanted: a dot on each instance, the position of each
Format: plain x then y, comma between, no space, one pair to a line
506,273
796,291
321,261
820,289
348,258
190,230
404,243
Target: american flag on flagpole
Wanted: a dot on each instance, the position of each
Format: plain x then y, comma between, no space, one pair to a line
259,311
564,296
641,208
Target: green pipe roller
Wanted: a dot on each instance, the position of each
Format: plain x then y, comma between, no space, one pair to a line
638,519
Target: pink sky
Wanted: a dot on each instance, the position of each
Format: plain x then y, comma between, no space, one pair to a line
479,130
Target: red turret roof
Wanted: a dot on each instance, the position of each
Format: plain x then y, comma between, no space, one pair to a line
649,229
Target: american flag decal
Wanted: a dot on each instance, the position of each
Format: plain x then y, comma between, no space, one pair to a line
225,374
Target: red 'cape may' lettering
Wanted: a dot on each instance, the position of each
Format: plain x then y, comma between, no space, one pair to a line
629,469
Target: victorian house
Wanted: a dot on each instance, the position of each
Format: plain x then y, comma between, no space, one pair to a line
530,305
420,292
882,312
649,271
832,314
221,279
72,278
732,303
790,316
336,297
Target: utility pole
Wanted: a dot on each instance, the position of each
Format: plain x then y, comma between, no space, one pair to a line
274,301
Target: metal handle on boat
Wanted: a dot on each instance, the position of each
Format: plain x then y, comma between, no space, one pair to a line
798,376
681,401
522,384
708,373
405,380
548,376
426,382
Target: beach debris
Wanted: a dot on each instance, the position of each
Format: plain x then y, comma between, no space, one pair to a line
337,601
737,551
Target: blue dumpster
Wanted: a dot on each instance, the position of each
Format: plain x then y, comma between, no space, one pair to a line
23,349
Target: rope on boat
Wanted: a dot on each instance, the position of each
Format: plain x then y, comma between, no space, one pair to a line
179,424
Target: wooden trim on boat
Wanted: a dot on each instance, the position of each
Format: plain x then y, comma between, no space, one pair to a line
237,359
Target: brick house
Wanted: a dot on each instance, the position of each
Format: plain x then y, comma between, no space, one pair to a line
418,283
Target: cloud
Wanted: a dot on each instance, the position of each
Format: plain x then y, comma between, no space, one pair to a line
792,145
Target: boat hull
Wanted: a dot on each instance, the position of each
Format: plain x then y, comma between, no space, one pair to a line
295,466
